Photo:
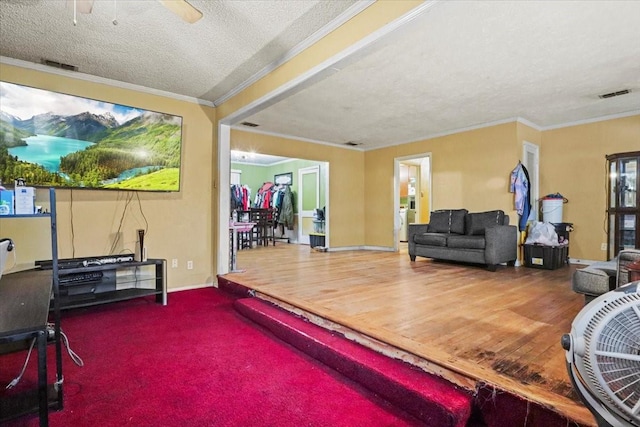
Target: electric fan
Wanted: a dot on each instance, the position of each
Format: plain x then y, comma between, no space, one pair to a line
603,356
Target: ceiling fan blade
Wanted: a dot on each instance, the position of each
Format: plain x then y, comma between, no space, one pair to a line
82,6
183,9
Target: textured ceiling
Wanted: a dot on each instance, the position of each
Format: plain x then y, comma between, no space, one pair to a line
152,47
455,65
464,64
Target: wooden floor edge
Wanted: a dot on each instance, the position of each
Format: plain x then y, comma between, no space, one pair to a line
455,376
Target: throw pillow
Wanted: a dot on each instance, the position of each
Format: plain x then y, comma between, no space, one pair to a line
439,222
477,222
447,221
457,221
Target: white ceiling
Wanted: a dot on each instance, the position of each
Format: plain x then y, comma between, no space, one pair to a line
455,65
152,47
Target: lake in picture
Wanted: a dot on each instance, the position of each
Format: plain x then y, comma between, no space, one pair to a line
46,150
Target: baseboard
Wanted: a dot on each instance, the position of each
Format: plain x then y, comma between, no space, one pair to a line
362,248
581,261
191,287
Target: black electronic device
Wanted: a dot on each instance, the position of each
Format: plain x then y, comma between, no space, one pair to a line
157,134
68,263
89,276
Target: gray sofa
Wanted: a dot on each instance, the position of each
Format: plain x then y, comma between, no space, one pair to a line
457,235
603,276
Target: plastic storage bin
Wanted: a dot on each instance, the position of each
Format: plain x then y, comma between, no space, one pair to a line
316,239
545,257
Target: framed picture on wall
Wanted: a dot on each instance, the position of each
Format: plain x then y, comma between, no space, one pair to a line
283,178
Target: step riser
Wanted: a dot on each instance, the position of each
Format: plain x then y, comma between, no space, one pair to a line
425,397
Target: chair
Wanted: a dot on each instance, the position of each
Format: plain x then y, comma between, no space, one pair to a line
604,276
244,237
265,223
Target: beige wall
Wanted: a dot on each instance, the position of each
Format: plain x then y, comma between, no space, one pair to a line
573,164
469,170
346,207
179,224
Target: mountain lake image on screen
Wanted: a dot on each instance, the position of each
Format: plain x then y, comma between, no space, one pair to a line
56,140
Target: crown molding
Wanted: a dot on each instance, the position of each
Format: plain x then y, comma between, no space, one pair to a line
295,138
528,123
101,80
593,120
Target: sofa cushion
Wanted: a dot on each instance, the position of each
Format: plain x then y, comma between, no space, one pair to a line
447,221
431,239
477,222
609,267
592,281
466,242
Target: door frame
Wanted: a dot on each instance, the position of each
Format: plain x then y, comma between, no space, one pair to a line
396,191
302,239
534,183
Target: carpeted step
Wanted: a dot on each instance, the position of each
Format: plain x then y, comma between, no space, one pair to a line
429,398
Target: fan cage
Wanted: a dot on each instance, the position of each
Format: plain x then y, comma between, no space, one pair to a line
612,335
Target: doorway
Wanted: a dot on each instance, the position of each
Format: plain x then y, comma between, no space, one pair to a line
307,180
412,193
308,201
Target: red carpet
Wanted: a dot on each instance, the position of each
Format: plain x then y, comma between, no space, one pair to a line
431,399
434,401
195,362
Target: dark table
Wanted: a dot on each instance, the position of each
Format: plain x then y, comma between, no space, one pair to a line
24,310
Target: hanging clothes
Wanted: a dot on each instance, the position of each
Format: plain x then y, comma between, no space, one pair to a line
264,196
286,216
240,197
520,186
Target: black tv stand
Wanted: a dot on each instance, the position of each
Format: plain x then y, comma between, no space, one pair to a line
85,282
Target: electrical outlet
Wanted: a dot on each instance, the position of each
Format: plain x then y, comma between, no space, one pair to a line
189,265
603,247
174,263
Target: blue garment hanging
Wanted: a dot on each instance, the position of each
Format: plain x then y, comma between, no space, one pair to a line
520,186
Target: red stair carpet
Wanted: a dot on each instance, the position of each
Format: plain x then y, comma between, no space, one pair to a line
195,362
434,401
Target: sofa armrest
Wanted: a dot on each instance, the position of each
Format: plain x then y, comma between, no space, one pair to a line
412,230
625,257
501,244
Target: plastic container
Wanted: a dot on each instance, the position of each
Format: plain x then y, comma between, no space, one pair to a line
316,239
545,257
552,209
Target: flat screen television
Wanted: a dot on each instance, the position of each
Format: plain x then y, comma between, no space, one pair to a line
51,139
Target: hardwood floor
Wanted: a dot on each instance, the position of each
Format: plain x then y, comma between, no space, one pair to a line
470,325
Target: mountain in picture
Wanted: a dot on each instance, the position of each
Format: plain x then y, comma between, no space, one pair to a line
91,149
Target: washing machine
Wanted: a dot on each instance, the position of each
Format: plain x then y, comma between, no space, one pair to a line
403,224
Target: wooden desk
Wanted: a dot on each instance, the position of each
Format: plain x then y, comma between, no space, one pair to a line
24,310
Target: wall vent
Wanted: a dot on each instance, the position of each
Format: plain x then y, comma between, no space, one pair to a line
353,143
249,124
60,65
612,94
